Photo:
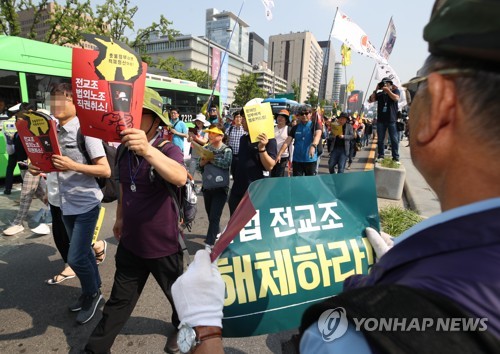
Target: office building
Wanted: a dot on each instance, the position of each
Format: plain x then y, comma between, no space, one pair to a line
326,87
225,27
257,50
297,58
337,79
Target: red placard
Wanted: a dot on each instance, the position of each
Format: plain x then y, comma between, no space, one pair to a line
108,88
38,134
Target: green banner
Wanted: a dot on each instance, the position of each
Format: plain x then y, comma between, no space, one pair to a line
306,238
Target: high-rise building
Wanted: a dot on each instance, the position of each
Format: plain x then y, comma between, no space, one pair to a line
225,27
297,58
337,79
192,53
268,81
343,97
257,50
326,86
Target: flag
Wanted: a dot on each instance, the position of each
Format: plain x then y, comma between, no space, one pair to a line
268,5
345,51
350,85
390,39
354,98
353,36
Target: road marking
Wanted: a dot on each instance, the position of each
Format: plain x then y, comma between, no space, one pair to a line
370,161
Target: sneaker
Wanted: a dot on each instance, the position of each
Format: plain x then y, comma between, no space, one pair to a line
77,306
89,306
172,347
42,229
7,192
14,229
348,166
208,248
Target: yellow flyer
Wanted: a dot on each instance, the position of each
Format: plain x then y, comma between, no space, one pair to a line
201,151
100,219
260,119
337,129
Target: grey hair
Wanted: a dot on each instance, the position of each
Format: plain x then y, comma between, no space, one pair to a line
477,93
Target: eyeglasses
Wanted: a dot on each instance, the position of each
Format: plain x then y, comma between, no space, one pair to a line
414,84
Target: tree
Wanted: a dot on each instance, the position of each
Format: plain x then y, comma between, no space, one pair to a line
246,89
68,22
200,77
312,98
172,66
296,91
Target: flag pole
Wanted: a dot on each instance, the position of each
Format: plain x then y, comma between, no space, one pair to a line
375,65
329,52
224,57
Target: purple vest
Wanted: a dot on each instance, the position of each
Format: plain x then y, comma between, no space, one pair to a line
459,259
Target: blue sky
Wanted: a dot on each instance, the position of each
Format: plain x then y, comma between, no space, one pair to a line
315,16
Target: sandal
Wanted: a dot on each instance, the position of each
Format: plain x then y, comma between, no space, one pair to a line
101,256
59,278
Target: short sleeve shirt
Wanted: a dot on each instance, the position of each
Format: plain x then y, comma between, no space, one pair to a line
387,108
78,193
303,138
181,127
150,219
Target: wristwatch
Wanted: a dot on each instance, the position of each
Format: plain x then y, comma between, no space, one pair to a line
188,338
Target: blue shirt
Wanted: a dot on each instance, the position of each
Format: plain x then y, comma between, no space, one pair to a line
312,341
181,127
303,138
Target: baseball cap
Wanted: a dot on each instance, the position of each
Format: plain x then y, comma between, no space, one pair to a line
154,102
467,28
344,115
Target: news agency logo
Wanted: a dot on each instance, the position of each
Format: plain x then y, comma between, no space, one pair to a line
333,324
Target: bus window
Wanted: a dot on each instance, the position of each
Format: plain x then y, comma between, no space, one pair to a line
9,87
39,87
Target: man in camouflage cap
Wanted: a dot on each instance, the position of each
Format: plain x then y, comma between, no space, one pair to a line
146,223
449,263
444,269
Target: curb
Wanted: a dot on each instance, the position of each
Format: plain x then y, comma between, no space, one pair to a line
409,196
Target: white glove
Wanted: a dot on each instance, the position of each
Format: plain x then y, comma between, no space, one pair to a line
381,243
199,293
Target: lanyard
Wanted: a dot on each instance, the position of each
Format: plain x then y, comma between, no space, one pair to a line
133,187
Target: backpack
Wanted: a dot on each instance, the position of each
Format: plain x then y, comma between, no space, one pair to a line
110,187
185,197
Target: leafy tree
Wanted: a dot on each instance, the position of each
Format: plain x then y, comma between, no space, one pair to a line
296,91
246,89
312,98
200,77
172,66
68,22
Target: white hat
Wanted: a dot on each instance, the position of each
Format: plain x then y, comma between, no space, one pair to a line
15,108
201,118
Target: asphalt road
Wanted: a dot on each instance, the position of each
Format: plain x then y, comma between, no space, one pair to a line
34,316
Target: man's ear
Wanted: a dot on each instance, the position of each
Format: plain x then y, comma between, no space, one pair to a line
443,101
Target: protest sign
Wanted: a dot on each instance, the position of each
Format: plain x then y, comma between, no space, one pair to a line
38,134
260,119
302,237
108,88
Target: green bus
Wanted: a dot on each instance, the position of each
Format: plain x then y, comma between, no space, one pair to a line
29,68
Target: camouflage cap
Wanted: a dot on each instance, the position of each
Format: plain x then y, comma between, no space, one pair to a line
154,102
468,28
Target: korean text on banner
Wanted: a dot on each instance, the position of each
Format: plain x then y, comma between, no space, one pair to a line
296,249
260,119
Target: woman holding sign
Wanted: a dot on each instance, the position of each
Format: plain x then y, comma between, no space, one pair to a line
214,168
